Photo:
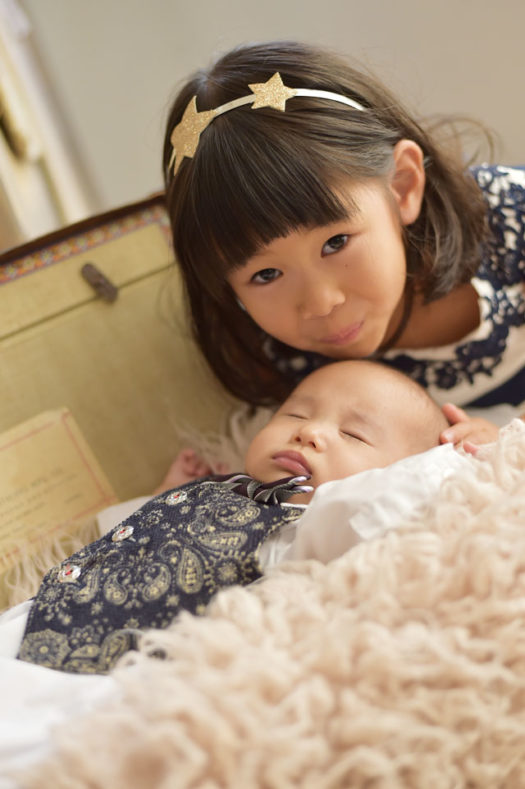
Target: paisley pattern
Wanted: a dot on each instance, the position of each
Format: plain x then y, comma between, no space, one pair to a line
174,553
487,367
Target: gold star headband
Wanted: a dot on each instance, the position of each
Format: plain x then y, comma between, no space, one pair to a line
273,93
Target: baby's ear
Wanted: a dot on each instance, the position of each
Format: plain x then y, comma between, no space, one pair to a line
407,181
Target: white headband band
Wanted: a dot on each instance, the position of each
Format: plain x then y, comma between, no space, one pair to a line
273,93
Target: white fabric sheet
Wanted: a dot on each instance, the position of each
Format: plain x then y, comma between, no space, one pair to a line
367,505
33,700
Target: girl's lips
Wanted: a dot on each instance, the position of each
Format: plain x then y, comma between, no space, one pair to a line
344,336
292,461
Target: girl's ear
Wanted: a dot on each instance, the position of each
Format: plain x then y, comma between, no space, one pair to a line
407,181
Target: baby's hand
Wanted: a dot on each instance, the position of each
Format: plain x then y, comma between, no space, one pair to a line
467,431
186,467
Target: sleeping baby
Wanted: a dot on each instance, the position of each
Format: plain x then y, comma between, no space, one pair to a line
187,543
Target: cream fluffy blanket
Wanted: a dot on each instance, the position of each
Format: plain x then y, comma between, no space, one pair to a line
401,664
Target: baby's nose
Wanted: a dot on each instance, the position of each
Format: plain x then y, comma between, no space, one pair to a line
311,435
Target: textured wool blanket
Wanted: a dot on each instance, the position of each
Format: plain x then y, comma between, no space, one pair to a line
400,664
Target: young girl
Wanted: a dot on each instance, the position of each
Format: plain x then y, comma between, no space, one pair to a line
313,219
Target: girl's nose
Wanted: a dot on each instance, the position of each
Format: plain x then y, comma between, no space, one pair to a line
311,435
319,298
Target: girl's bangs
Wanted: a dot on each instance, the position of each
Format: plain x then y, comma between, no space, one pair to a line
249,188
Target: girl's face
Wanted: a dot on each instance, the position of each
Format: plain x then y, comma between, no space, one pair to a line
336,289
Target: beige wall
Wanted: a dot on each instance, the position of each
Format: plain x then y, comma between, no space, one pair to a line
115,64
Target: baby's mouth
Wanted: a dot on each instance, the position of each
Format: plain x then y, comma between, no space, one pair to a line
292,461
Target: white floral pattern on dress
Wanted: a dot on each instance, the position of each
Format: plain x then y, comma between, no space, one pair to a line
488,366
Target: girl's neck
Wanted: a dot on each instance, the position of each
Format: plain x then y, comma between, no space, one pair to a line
442,322
402,315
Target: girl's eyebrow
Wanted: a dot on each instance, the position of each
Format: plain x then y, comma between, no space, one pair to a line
259,253
353,213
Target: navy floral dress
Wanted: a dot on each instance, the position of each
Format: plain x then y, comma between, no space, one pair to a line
487,367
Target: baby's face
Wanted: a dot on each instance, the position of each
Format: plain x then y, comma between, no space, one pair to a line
344,418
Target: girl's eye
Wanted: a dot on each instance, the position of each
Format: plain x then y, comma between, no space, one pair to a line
335,244
265,275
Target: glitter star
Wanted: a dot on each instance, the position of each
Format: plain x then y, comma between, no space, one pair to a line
185,136
273,93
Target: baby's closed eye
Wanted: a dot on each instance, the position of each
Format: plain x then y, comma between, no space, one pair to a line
352,435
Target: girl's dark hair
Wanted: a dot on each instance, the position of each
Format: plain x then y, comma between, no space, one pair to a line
259,174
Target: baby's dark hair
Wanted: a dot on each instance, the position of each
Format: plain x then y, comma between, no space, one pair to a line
258,175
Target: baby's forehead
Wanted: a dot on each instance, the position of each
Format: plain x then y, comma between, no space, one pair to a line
374,393
337,408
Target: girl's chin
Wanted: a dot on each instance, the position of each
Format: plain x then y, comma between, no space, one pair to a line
361,350
341,354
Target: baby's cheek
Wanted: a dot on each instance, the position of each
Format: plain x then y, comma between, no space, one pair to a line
252,459
358,457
